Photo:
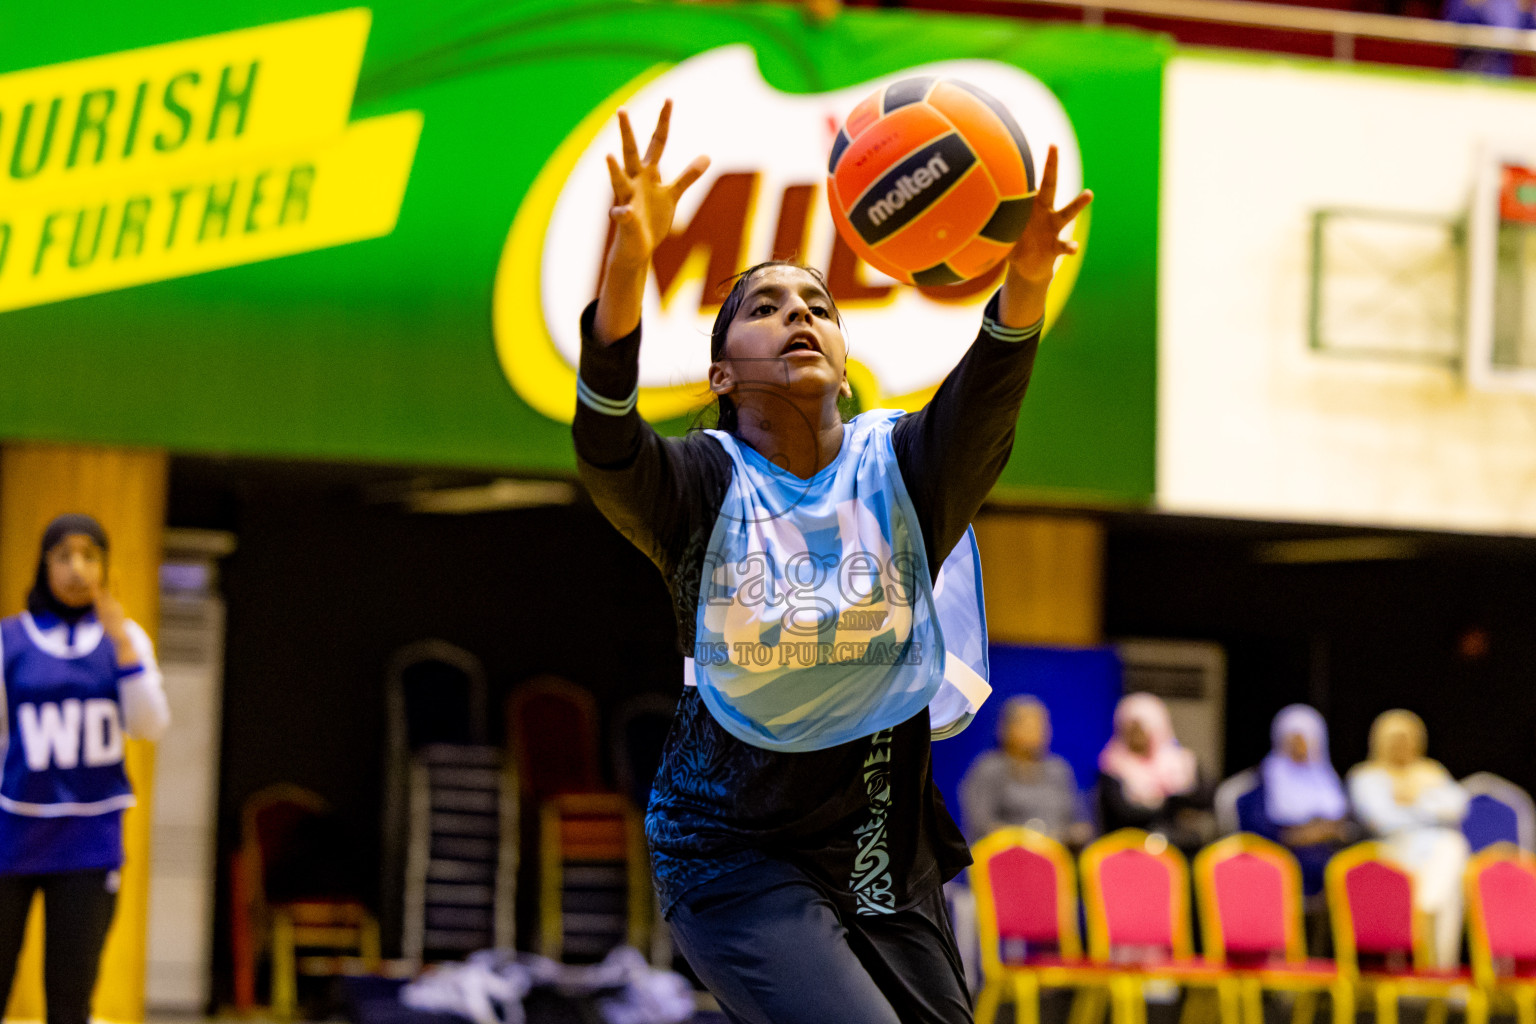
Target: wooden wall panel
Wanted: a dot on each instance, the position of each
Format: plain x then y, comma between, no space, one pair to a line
1044,578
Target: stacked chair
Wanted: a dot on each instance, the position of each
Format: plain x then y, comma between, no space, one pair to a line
552,731
314,930
637,736
461,861
456,835
593,875
451,812
595,885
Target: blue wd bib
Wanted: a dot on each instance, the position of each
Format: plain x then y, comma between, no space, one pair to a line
817,623
62,783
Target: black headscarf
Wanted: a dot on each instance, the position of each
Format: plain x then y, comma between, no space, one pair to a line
42,600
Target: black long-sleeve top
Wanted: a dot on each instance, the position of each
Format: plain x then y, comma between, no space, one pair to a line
718,803
1117,811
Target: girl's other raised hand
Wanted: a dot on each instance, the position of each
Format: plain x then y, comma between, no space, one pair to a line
1032,263
1034,255
642,211
643,204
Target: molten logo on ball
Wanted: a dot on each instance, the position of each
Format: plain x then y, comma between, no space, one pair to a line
908,186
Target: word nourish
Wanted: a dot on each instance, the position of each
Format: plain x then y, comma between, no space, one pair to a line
192,155
96,126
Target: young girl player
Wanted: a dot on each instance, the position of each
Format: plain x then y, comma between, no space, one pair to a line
76,675
798,842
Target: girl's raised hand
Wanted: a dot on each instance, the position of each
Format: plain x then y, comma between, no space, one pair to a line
109,611
1034,256
114,622
643,205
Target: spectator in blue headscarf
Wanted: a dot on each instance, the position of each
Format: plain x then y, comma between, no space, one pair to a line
1300,801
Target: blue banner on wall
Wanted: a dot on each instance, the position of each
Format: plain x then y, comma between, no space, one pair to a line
1079,687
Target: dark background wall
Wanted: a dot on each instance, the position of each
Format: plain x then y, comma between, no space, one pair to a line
328,582
331,577
1447,632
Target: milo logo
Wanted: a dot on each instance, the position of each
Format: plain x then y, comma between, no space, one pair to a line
763,197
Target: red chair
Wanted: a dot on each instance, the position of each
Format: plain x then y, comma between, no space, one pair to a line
1501,925
552,730
1250,897
1381,941
1136,888
1026,900
339,934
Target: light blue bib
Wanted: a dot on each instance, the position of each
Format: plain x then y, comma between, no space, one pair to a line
817,623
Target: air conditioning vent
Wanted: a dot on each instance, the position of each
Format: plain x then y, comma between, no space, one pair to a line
1170,682
191,632
1191,676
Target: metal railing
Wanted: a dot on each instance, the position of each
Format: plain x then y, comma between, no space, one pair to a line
1343,26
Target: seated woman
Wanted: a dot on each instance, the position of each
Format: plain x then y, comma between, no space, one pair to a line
1413,805
1300,801
1022,782
1148,781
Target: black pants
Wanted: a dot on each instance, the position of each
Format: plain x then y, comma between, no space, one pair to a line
773,948
77,908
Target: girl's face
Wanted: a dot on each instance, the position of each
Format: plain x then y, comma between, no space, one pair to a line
785,338
1136,738
1028,734
1296,747
76,566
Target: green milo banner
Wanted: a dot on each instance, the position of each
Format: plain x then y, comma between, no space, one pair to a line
276,229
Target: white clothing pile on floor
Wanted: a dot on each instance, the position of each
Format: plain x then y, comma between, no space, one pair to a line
489,987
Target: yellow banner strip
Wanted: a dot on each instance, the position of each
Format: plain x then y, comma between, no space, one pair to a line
274,204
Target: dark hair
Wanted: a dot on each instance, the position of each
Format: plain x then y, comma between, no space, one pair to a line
725,407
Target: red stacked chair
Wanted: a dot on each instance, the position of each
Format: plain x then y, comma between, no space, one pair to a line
337,932
1501,924
1136,888
1251,915
552,730
1374,919
1026,914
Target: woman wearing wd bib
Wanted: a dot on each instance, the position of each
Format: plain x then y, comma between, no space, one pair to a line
826,588
78,675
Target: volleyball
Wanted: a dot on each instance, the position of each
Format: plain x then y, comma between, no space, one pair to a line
931,181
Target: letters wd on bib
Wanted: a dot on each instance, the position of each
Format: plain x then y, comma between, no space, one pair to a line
62,784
